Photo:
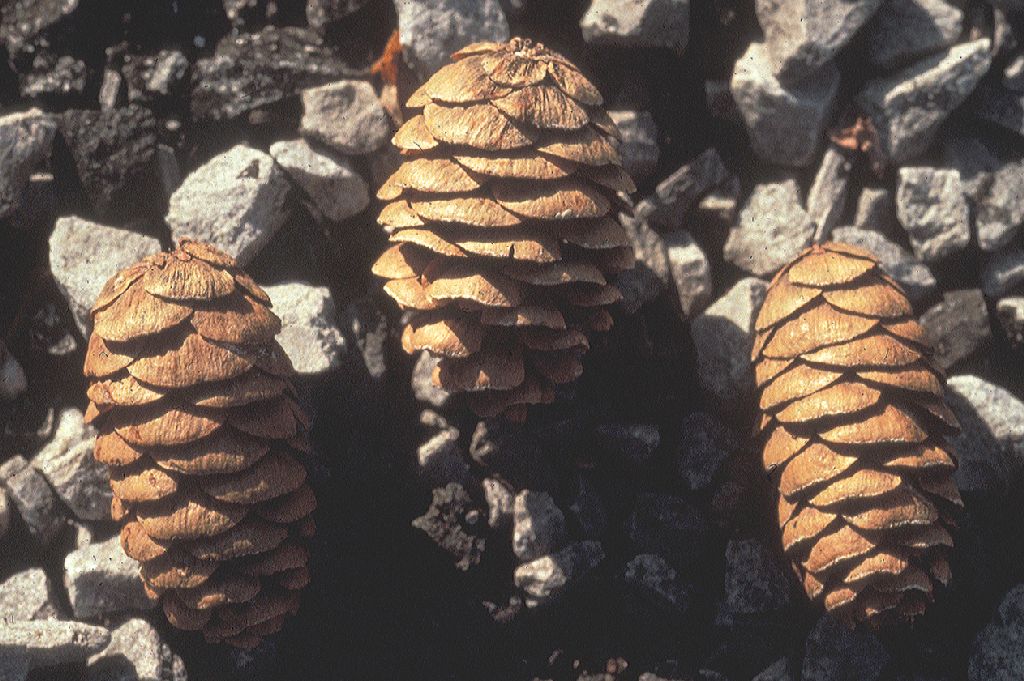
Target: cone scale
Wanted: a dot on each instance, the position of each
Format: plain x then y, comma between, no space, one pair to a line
853,428
502,224
198,424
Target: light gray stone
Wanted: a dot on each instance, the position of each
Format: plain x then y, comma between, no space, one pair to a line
908,107
13,382
638,23
997,654
958,327
538,525
904,30
423,382
546,577
990,446
755,584
5,512
914,276
442,460
1009,310
135,653
1013,74
35,501
235,201
691,271
785,123
802,35
723,336
674,197
102,580
1003,273
331,187
52,642
834,652
773,229
639,146
430,30
500,500
931,207
651,275
1000,208
14,663
826,199
25,142
657,581
347,116
721,204
705,444
975,159
309,334
27,595
876,211
84,255
80,481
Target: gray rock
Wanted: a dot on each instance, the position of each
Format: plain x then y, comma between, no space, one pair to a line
441,459
669,526
802,35
723,336
632,443
366,329
834,652
1013,74
13,382
52,642
826,199
455,524
651,274
958,326
1009,310
755,584
423,381
35,501
84,255
777,671
102,580
904,30
990,446
546,577
975,159
997,654
235,201
167,169
876,210
500,500
914,276
346,116
538,525
691,271
773,228
705,444
719,101
14,663
68,464
721,204
931,207
908,107
331,187
1001,107
309,334
639,146
5,512
657,581
25,142
678,193
320,14
27,595
785,122
1000,208
431,30
638,23
1003,273
135,653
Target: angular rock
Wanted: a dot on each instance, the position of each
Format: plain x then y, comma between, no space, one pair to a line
67,462
5,512
723,336
773,228
931,207
835,652
102,580
1013,74
639,146
1000,207
997,654
13,382
1001,107
135,653
705,445
309,334
500,501
691,271
153,77
250,71
25,20
14,663
1009,310
454,524
802,35
651,274
331,187
441,459
638,23
1003,273
785,122
52,642
235,201
990,446
914,276
826,199
657,581
631,443
876,211
430,30
976,159
25,142
722,203
755,584
666,209
27,595
366,329
908,107
544,578
84,255
346,116
54,77
958,326
538,525
904,30
423,382
669,526
35,501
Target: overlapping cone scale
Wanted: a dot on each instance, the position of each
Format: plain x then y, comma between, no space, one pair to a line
503,220
853,431
198,423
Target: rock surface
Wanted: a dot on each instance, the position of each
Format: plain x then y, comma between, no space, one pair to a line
826,199
773,228
657,581
917,280
931,207
990,446
35,501
958,327
546,577
835,652
641,23
135,653
691,271
101,580
430,30
331,187
67,462
346,116
678,193
904,30
996,654
27,595
1003,273
51,642
538,525
25,142
309,332
639,147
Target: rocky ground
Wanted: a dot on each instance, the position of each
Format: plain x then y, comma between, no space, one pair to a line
625,533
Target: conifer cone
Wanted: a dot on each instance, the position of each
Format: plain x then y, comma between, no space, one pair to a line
854,430
503,223
198,423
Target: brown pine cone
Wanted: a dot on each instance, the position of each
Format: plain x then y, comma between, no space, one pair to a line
854,428
198,423
503,223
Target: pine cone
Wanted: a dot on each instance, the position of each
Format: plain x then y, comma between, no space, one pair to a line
198,423
854,427
503,223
